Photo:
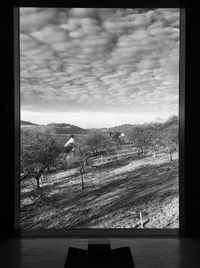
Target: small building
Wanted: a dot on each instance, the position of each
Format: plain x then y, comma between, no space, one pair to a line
117,134
69,146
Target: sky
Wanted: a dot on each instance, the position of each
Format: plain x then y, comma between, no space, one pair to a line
98,67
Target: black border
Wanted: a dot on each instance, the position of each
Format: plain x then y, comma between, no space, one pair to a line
102,4
101,232
17,115
182,121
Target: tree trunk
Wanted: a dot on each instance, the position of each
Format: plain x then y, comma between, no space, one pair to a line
82,172
86,162
38,182
48,169
107,151
143,152
170,156
82,183
66,166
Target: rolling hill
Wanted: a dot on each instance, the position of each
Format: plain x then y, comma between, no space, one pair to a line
61,128
27,123
53,128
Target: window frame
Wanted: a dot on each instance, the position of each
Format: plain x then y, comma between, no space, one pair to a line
95,233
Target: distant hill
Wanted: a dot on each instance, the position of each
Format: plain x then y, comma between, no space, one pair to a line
25,123
53,128
122,128
127,127
62,128
59,125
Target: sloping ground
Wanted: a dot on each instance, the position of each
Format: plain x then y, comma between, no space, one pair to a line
115,196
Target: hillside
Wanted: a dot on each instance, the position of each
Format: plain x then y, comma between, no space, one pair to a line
122,188
61,128
114,196
53,128
27,123
64,128
123,128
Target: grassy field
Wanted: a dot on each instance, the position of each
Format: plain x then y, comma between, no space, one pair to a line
115,196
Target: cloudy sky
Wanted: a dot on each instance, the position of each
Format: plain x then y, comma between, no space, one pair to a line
98,67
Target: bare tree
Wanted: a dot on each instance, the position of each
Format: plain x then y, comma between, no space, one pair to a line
94,141
169,139
141,138
116,138
38,152
82,153
99,141
155,140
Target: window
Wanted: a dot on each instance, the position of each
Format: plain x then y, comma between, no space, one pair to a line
101,120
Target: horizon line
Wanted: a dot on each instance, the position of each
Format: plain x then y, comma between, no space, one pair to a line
145,122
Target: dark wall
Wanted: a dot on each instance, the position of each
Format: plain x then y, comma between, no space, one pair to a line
192,185
7,124
192,163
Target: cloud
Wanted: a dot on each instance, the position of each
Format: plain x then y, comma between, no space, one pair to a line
116,60
34,18
82,12
50,34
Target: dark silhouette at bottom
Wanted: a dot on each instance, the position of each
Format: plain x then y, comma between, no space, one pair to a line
99,255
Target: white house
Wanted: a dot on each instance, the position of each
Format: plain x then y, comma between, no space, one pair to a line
122,135
70,142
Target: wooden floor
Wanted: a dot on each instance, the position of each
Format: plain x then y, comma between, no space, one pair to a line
146,252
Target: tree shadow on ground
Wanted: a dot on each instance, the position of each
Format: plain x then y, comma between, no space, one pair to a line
104,167
111,165
47,187
124,191
145,191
